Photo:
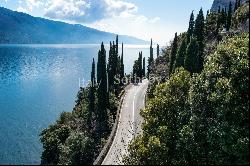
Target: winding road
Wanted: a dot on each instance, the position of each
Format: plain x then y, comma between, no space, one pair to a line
129,123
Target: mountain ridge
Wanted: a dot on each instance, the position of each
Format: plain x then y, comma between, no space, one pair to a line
21,28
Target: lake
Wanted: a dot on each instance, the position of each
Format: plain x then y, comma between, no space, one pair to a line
37,83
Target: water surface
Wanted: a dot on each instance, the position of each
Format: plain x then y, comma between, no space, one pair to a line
37,83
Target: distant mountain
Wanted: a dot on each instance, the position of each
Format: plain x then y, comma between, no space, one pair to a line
223,3
21,28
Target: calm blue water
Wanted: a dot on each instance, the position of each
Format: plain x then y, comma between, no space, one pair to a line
37,83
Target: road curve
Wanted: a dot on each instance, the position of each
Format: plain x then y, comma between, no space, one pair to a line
129,123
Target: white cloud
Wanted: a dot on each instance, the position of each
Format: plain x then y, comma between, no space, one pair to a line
86,11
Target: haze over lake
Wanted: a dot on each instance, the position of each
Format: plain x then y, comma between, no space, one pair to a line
37,83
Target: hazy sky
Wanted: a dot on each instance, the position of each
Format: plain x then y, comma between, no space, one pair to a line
144,19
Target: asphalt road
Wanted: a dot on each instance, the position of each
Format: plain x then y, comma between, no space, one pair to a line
129,123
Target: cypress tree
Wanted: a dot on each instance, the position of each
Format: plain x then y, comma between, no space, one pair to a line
158,50
239,3
199,32
181,54
117,45
122,65
102,95
229,17
224,17
236,5
91,106
173,53
219,10
151,58
191,59
144,67
199,26
191,27
140,72
93,79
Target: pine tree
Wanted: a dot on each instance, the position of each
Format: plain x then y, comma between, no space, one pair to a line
191,59
229,17
173,53
102,95
158,50
191,27
181,54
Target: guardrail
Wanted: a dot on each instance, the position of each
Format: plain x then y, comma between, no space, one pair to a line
107,146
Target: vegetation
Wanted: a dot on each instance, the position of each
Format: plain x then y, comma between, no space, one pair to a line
77,137
200,116
200,119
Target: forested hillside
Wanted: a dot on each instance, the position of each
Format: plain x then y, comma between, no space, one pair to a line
21,28
198,109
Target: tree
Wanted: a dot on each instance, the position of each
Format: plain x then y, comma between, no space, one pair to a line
199,27
93,78
229,17
181,54
191,27
144,67
92,105
219,9
102,95
236,5
174,50
199,32
191,59
158,50
122,65
151,58
117,45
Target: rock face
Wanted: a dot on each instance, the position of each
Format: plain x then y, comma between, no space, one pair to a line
223,3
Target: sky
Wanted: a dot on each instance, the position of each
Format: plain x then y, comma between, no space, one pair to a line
144,19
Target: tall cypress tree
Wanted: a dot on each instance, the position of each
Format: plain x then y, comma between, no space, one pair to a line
158,50
122,65
91,106
219,9
117,45
239,3
93,79
236,5
191,27
174,50
144,67
191,59
200,26
181,54
151,58
199,31
102,95
229,17
140,72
